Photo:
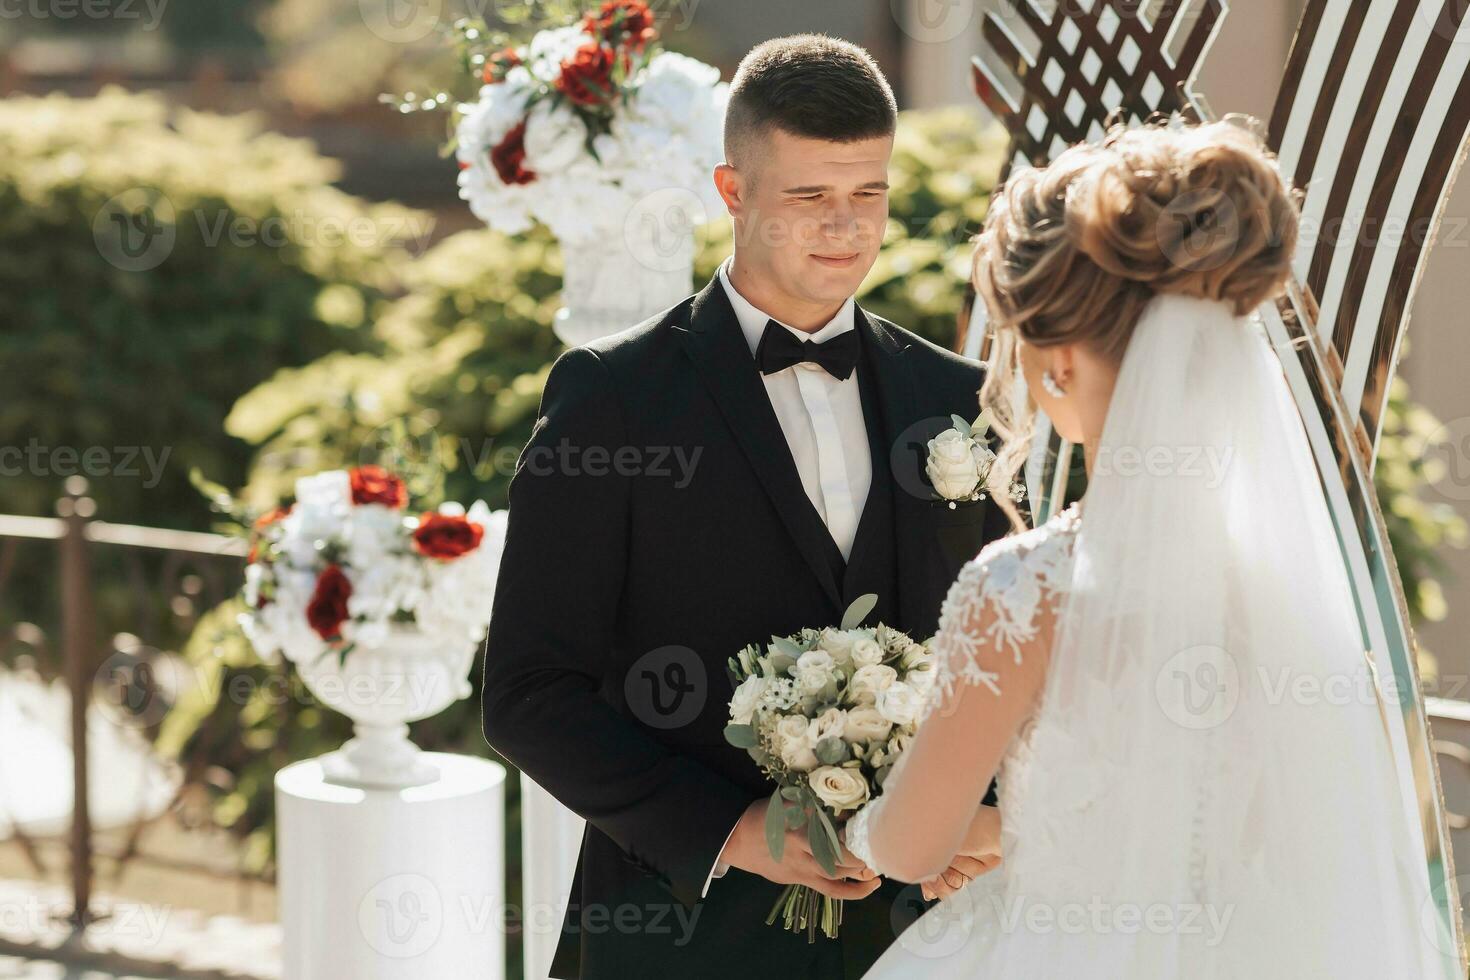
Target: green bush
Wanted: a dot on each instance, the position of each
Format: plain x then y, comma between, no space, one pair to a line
155,265
1418,530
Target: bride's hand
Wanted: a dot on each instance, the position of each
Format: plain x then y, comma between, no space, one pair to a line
981,853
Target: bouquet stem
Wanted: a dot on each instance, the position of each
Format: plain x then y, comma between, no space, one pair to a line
802,909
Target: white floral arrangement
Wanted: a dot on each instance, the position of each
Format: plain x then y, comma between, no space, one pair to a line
585,123
826,713
346,563
960,464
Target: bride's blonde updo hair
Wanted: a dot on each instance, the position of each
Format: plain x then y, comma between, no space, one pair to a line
1072,253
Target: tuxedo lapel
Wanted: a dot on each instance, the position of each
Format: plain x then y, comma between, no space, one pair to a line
722,358
869,564
897,455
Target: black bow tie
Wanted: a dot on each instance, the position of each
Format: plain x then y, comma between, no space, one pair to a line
779,349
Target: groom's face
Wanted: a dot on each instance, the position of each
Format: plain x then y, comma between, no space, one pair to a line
810,213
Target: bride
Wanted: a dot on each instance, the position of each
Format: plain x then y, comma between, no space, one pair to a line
1168,680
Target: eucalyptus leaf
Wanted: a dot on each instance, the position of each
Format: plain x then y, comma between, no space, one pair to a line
831,751
982,424
781,663
961,426
741,736
790,793
858,611
784,645
795,817
776,827
822,845
831,830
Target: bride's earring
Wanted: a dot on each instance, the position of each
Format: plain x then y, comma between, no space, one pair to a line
1051,386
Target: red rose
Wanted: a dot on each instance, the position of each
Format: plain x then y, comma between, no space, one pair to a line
375,485
499,64
509,157
623,22
327,610
586,77
446,536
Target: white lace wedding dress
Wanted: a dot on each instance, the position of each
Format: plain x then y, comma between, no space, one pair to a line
1194,774
1012,584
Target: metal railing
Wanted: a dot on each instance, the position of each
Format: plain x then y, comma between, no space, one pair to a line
194,572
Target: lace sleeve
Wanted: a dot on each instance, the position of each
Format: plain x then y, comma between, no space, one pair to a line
994,610
994,629
856,835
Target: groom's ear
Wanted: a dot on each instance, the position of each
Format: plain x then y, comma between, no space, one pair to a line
733,188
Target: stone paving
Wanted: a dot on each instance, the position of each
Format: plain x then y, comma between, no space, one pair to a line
134,939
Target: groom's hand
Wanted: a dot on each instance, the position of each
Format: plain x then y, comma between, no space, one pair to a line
747,851
980,853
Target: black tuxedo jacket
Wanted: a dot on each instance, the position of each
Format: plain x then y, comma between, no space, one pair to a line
658,525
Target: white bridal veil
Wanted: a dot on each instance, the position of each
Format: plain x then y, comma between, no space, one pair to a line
1211,789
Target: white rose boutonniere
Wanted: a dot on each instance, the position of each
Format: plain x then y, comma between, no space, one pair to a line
960,463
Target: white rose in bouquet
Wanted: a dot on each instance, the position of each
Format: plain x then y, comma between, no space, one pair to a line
900,703
831,723
899,743
840,787
867,724
795,744
866,651
921,679
838,643
813,671
747,698
870,681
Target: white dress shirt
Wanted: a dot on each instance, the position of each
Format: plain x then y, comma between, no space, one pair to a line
822,419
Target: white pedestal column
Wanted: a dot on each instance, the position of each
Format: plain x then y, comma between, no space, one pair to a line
551,837
392,884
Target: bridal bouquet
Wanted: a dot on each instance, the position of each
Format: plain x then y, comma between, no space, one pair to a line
825,713
579,126
346,562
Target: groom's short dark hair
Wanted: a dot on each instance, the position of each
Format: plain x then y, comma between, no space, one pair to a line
808,85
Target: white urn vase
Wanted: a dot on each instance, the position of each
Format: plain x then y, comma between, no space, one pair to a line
615,282
407,677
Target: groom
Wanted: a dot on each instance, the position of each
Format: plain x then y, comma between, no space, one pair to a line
628,582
